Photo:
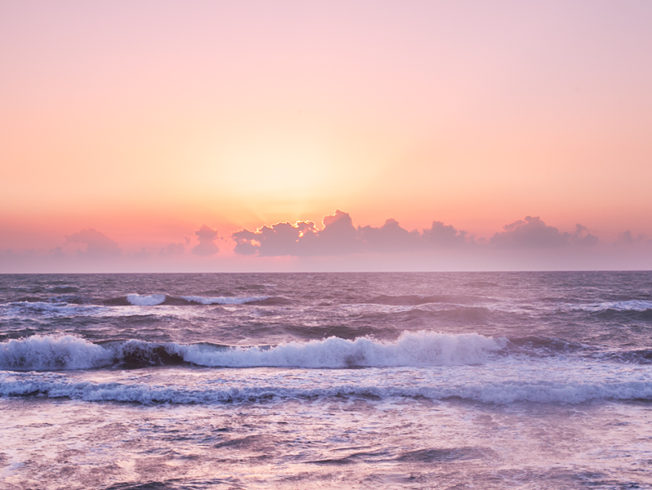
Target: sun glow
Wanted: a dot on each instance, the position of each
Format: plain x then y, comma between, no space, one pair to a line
275,165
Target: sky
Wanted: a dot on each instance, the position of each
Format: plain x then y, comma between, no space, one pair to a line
335,135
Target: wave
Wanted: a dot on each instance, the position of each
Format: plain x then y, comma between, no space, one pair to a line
145,299
465,315
63,289
165,299
39,308
224,300
44,352
636,356
493,393
548,345
410,349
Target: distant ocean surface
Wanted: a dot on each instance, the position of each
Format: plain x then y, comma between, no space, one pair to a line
383,380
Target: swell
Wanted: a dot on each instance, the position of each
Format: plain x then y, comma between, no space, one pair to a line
545,345
447,314
625,315
534,345
634,356
635,309
55,307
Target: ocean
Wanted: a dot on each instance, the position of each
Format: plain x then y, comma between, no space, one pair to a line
351,380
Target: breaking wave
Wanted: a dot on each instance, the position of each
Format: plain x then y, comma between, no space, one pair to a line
44,352
410,349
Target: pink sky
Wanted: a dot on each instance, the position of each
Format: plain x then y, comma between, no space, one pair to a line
145,121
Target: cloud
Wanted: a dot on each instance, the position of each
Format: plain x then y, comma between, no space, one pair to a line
442,235
390,237
95,245
583,237
206,245
279,239
172,249
337,244
532,233
628,238
339,236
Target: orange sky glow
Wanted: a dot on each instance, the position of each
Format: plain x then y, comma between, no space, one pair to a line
145,121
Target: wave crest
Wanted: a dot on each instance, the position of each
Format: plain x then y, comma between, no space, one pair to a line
47,352
410,349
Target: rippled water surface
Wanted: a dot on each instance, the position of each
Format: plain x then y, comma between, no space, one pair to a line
484,380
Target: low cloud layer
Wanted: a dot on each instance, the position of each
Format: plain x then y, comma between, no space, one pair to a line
337,244
526,244
339,236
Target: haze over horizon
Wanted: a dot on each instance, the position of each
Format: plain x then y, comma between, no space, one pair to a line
291,136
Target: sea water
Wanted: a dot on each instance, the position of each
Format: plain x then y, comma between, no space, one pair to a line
465,380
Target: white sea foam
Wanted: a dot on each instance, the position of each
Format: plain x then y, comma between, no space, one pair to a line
223,300
145,299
